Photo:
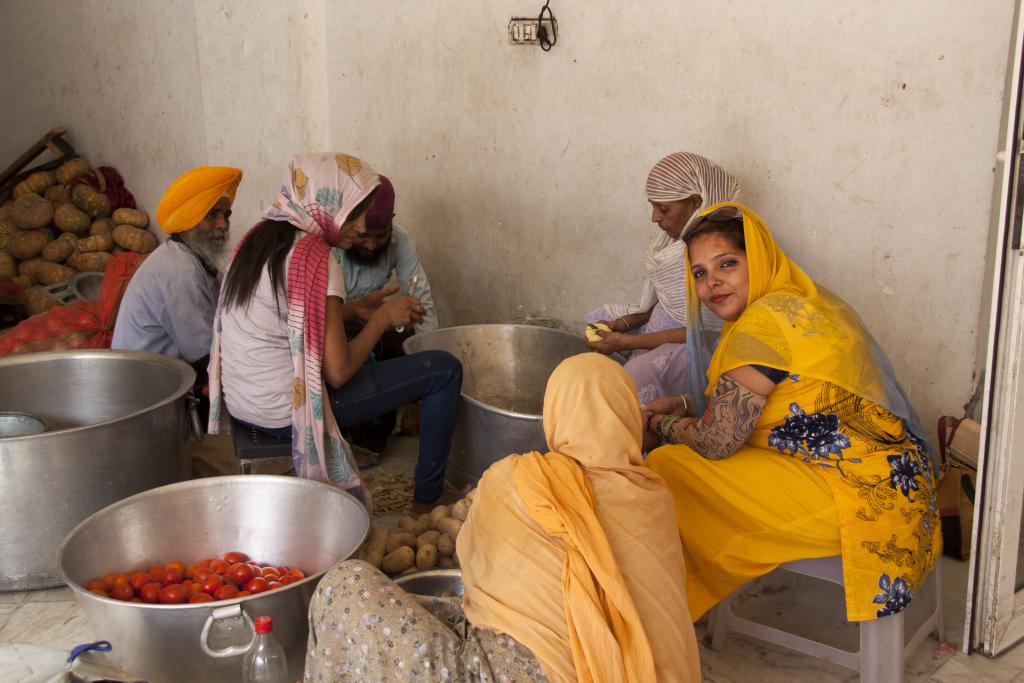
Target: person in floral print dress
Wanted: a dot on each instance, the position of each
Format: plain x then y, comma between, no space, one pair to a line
801,444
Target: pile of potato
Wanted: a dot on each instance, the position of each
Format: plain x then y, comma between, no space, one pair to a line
49,231
419,543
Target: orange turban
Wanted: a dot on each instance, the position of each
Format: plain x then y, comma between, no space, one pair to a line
192,195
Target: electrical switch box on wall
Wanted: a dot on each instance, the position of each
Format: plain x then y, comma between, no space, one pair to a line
523,30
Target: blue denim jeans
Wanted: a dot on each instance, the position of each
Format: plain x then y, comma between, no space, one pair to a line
376,388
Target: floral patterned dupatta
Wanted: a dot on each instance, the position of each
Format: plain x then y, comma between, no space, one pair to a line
321,191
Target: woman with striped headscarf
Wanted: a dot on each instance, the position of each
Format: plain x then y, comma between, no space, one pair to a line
652,330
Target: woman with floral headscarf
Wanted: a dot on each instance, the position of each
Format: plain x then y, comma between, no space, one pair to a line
279,335
797,441
652,331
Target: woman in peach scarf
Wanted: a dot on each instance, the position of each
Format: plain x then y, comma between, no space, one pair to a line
571,561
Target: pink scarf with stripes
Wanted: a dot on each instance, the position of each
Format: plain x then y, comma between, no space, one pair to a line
321,191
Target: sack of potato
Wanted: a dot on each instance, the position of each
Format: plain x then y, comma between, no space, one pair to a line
419,543
64,221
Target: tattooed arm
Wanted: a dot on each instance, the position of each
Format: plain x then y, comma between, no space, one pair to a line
732,412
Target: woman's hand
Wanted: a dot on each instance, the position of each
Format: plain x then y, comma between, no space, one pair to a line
403,310
617,325
365,306
669,405
610,342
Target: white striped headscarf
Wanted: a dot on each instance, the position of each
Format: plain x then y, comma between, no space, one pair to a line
678,176
681,175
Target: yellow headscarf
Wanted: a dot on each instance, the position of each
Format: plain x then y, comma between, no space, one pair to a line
191,196
575,553
832,344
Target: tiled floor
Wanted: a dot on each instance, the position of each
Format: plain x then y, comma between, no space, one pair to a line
32,623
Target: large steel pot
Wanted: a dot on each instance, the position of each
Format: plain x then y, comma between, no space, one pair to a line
505,371
117,424
280,520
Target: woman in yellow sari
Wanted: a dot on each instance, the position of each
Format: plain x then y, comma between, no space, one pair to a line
806,445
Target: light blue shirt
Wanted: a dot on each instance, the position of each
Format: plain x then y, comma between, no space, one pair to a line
168,306
402,260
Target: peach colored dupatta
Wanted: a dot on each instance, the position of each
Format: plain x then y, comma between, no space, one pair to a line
575,553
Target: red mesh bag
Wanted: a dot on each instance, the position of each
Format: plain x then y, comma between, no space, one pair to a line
80,324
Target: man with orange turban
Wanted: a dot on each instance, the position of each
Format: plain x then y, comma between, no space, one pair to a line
169,304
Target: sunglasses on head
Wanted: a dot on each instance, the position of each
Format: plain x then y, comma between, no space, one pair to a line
726,213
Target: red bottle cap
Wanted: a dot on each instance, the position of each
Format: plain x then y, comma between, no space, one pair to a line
264,624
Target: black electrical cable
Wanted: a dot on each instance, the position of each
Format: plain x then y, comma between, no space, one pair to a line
542,33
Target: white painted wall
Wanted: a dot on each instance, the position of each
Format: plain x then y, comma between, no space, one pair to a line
156,88
521,173
864,134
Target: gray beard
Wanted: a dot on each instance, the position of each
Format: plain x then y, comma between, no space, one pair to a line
209,250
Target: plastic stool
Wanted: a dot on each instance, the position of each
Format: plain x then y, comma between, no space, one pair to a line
255,446
882,653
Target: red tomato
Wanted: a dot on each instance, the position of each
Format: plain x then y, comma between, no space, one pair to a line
242,594
171,575
157,572
177,564
173,594
99,591
212,583
195,588
115,579
297,574
226,592
138,580
190,571
206,562
201,574
97,585
234,557
286,579
270,574
220,566
150,592
200,597
122,591
240,574
256,585
271,585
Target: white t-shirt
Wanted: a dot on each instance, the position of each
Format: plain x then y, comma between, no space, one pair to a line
256,363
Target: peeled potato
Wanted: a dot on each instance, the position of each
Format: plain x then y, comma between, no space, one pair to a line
591,331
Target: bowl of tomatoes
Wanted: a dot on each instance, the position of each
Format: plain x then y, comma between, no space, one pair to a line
174,577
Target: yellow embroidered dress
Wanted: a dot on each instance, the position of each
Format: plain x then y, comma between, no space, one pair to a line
835,464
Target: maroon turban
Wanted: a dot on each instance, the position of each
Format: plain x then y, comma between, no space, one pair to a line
378,218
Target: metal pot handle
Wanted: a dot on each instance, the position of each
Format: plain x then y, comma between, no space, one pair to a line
193,416
229,612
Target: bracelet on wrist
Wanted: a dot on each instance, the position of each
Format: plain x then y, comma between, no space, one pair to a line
665,425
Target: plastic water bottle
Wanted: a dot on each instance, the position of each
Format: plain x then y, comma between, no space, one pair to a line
265,661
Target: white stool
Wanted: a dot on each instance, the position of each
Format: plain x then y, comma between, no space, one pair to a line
882,653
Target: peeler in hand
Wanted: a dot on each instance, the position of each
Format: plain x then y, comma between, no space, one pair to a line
412,288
